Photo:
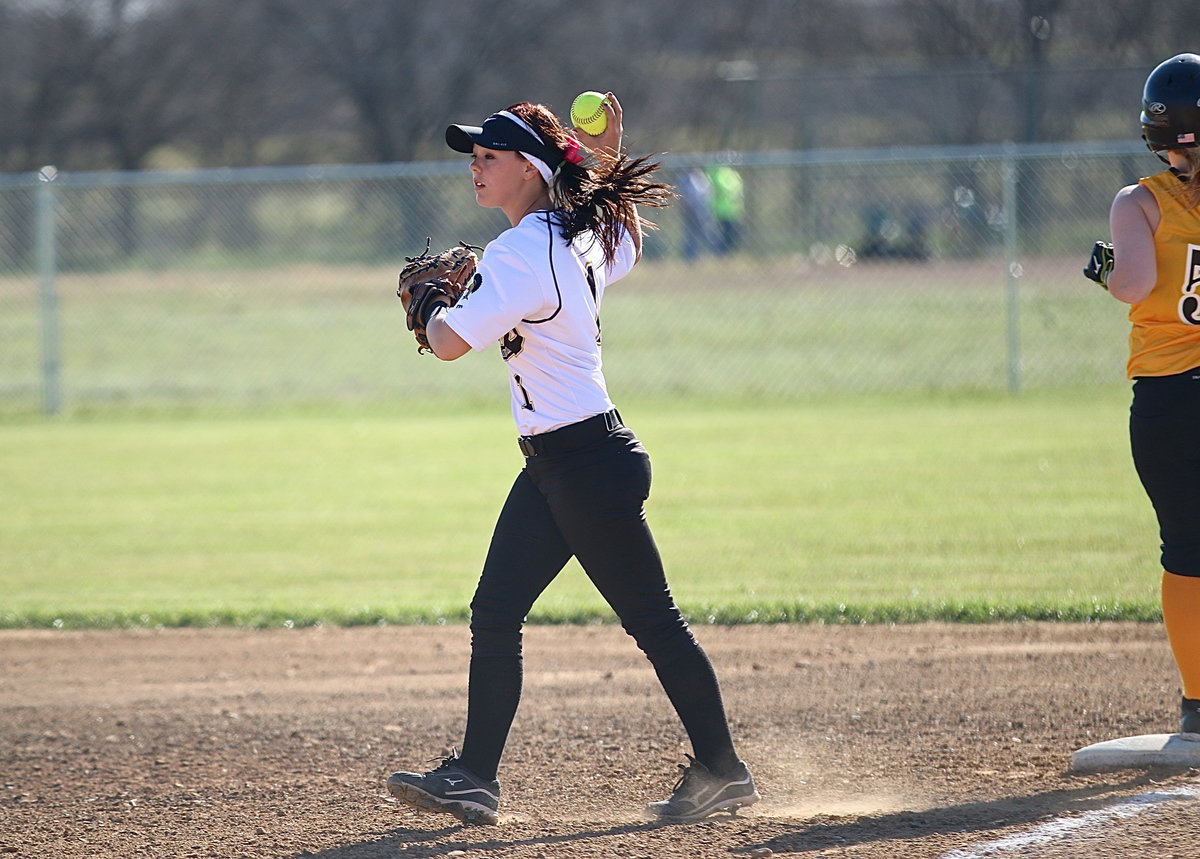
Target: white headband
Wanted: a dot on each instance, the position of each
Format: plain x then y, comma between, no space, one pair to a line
542,167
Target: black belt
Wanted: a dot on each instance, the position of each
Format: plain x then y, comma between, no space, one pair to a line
1192,375
570,437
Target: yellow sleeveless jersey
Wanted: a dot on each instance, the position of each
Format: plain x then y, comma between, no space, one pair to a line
1165,337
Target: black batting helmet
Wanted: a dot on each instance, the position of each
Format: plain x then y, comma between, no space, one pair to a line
1171,104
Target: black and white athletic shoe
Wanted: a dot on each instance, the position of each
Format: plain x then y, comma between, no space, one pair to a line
450,789
700,792
1189,716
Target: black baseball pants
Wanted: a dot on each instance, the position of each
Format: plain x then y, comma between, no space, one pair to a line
1164,420
581,494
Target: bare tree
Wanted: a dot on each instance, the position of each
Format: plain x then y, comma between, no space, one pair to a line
42,82
396,64
98,84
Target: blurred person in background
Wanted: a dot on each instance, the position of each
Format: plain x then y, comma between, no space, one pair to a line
695,194
728,206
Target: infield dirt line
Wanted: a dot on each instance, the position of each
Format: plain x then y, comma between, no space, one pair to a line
1062,828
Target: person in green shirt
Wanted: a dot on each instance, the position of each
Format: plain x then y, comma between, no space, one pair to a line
728,206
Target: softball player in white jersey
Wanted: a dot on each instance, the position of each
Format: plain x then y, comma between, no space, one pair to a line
575,229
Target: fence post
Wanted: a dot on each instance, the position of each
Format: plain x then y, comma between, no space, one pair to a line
1013,273
47,264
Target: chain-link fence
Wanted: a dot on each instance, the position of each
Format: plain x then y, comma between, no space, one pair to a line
774,275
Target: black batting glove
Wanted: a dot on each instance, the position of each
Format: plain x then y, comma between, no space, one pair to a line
1100,265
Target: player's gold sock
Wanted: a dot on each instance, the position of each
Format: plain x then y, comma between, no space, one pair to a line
1181,617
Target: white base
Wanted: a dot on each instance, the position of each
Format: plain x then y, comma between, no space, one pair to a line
1178,750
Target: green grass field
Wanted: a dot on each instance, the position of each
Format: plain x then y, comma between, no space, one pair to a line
838,509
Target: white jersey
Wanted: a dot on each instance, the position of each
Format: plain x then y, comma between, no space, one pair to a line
540,298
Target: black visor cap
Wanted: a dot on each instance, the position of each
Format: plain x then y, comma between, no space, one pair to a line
500,132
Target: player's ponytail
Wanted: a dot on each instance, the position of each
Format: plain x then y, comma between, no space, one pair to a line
596,193
609,200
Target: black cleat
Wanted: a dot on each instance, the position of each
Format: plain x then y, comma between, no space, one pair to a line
449,789
1189,719
699,793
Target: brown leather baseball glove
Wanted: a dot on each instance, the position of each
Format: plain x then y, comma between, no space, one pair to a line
430,281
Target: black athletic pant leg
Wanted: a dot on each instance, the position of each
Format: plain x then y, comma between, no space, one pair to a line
1164,433
526,553
597,496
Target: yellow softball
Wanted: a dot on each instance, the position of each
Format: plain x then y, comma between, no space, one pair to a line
588,114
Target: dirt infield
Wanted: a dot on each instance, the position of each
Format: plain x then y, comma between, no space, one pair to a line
912,741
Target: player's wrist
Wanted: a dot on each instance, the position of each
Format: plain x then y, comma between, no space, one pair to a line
435,301
437,308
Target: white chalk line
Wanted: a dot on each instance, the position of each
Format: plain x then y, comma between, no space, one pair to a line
1062,828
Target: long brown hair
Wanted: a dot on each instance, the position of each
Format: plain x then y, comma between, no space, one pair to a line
602,194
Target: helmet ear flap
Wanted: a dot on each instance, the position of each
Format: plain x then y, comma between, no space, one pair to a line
1171,105
1157,149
